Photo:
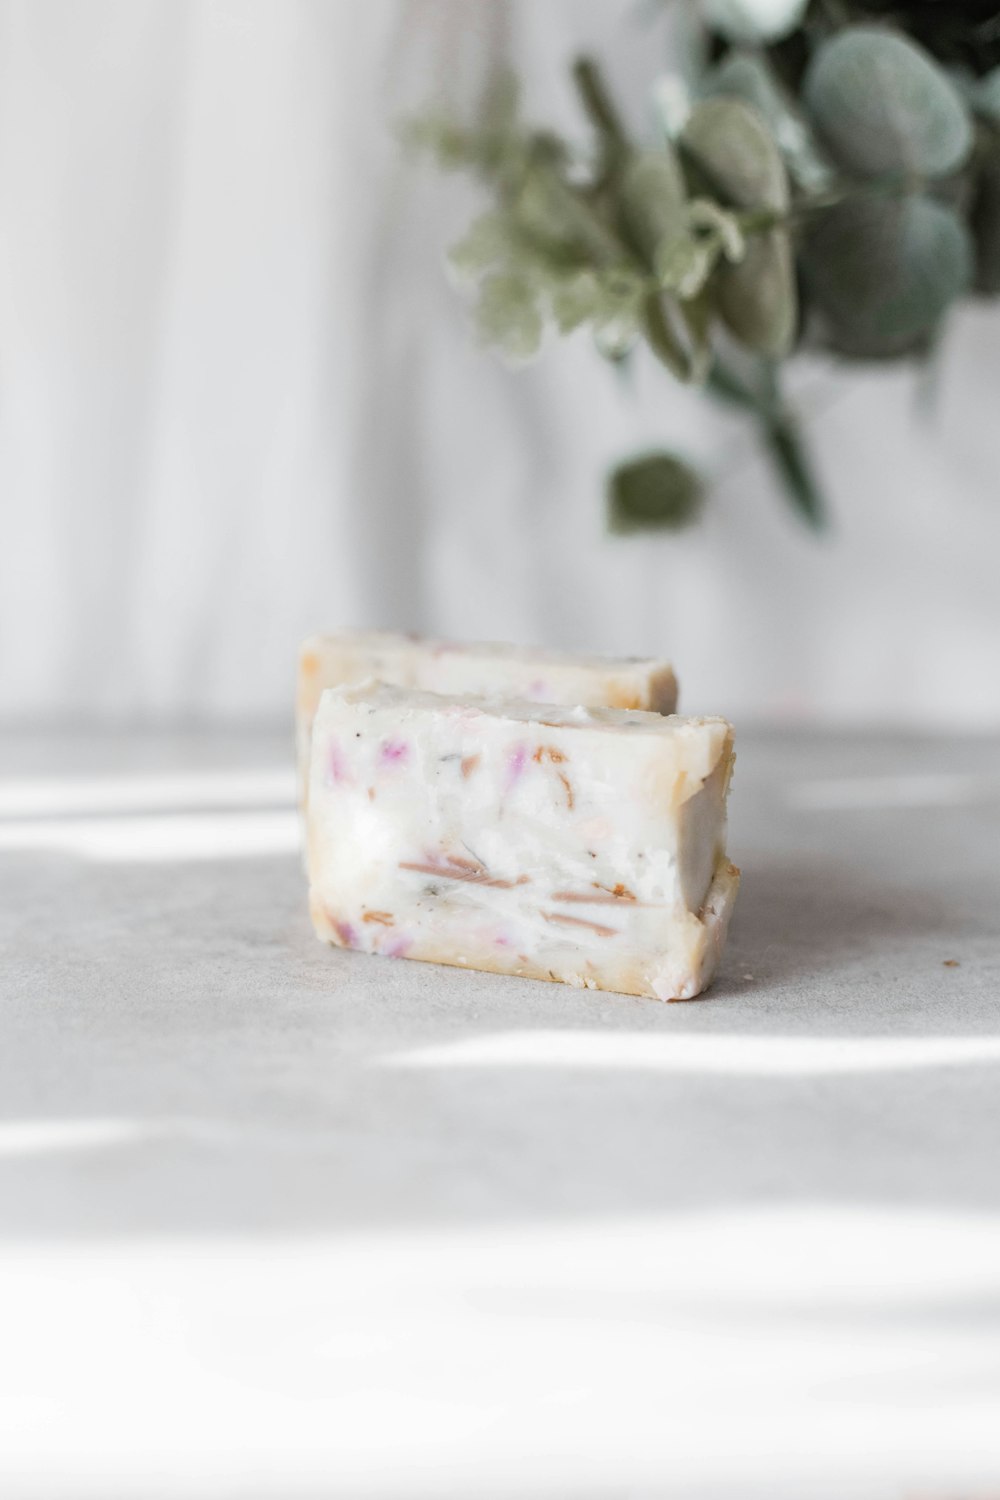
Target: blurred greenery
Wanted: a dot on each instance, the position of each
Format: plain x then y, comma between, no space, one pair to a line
657,491
828,179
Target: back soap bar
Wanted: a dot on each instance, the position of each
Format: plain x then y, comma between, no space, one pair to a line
582,845
327,661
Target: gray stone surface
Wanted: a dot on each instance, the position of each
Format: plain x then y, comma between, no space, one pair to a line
182,1064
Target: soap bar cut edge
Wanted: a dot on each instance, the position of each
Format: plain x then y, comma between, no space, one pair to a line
686,964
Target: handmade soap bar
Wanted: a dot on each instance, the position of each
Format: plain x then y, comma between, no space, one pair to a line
440,667
584,845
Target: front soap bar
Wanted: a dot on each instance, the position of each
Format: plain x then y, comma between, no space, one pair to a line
583,845
327,661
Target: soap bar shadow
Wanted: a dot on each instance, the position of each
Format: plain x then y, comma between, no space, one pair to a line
799,919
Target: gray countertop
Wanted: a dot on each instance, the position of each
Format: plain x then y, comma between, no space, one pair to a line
277,1220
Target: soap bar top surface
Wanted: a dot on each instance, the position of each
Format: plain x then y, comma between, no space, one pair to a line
541,676
348,657
565,843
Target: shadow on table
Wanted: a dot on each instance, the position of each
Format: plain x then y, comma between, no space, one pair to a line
807,924
244,1085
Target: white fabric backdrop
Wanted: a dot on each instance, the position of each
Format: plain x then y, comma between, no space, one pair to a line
238,400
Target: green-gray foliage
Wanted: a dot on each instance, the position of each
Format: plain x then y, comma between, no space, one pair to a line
883,105
833,183
984,212
984,96
732,149
653,199
884,271
748,76
751,21
657,491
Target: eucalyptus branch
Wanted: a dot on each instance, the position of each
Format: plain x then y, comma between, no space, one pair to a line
852,133
599,106
805,207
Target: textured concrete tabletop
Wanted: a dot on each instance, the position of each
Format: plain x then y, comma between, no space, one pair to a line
278,1221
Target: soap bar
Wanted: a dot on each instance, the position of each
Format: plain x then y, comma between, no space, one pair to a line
574,844
442,667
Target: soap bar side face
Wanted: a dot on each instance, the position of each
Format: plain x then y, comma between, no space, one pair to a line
582,849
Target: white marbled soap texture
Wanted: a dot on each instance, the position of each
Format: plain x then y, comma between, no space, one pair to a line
541,676
574,844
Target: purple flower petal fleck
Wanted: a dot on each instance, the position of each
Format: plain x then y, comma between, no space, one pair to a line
393,753
517,759
338,769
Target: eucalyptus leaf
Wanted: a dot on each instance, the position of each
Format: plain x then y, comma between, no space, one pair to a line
698,312
984,217
733,150
757,299
754,20
883,271
656,492
677,336
652,198
747,76
883,105
984,96
663,338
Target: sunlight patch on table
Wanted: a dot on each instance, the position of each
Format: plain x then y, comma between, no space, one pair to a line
157,839
50,796
743,1352
699,1053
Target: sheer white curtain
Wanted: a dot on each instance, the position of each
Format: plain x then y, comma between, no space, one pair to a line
239,401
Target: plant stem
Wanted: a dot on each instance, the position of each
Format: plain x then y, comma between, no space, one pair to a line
759,221
599,106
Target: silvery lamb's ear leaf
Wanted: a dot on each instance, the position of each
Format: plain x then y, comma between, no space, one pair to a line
576,299
657,492
754,20
747,76
733,150
486,241
652,198
884,271
508,316
883,105
551,214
